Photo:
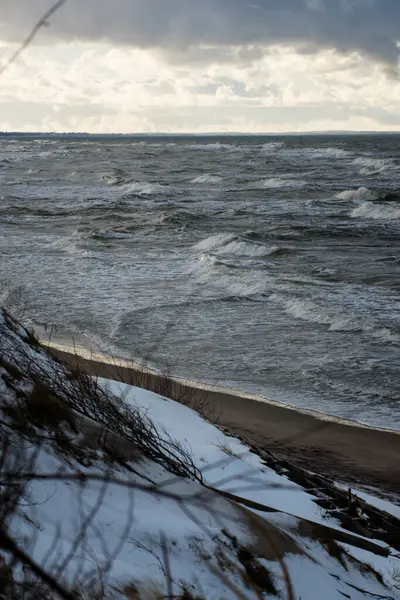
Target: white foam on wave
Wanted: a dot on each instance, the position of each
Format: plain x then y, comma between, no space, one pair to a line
336,320
361,193
206,178
215,241
233,245
278,182
329,152
271,147
142,188
243,248
113,180
69,245
242,285
378,212
372,166
319,153
214,146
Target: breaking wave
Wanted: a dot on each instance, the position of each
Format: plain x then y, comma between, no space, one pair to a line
271,147
215,241
379,212
213,146
145,188
69,245
207,179
361,193
338,321
244,245
372,166
240,247
115,179
278,182
330,152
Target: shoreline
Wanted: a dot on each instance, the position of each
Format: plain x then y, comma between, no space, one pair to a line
118,362
345,450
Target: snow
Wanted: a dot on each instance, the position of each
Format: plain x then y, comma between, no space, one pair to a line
240,472
384,505
136,517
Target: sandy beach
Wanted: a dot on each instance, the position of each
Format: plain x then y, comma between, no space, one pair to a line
348,452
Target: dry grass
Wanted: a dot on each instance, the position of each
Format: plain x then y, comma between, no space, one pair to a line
226,449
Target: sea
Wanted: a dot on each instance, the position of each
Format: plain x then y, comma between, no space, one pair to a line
266,264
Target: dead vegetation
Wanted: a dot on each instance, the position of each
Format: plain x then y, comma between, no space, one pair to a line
59,396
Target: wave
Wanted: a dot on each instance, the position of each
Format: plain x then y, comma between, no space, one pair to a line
378,212
224,275
214,146
336,321
224,244
181,218
129,186
373,166
361,193
243,248
215,241
319,153
328,152
116,180
272,147
70,245
207,179
364,193
143,189
39,211
278,182
109,234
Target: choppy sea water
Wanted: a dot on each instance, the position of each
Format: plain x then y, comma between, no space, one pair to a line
271,265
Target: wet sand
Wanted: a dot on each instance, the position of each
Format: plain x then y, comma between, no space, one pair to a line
343,450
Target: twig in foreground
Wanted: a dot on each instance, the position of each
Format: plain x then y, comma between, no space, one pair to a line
43,22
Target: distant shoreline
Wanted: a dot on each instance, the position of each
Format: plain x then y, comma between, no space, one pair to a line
216,134
344,450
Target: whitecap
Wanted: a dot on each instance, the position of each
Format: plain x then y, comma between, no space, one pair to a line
243,248
372,166
378,212
142,188
336,320
69,245
319,153
213,146
361,193
114,179
278,182
271,147
206,178
215,241
207,270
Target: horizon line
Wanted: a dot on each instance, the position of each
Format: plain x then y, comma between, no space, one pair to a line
202,134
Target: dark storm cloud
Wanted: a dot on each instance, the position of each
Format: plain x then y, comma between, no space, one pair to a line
370,26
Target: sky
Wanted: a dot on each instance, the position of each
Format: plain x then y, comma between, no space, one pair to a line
202,66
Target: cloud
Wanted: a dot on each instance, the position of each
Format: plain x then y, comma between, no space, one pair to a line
210,30
103,87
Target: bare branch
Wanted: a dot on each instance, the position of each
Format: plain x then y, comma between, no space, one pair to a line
43,22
